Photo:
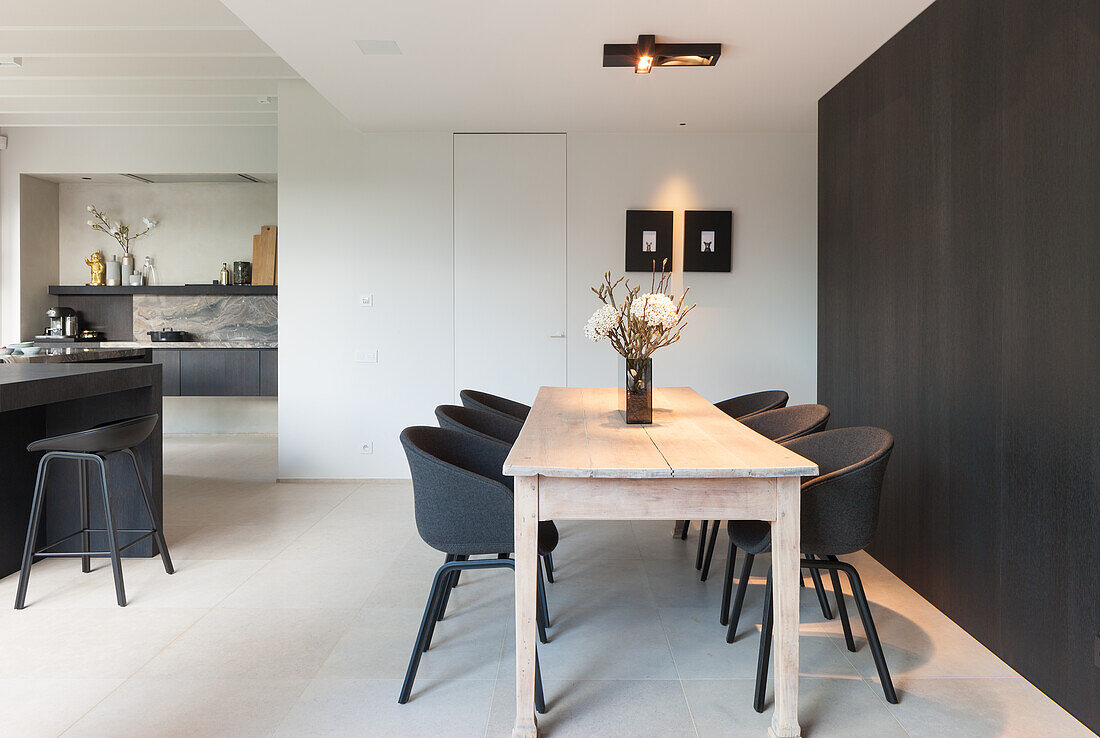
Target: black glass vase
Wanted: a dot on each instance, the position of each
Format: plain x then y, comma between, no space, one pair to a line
639,391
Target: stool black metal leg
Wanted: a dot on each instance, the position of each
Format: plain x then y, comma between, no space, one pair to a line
112,535
822,600
85,561
739,598
765,648
727,584
841,608
714,526
154,518
702,544
548,559
32,531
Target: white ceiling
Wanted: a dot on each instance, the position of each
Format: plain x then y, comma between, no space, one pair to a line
522,65
134,62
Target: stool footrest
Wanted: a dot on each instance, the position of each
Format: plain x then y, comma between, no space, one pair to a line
44,551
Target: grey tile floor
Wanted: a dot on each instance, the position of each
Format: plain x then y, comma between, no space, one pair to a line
294,607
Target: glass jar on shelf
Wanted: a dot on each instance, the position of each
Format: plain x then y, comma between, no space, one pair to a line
149,272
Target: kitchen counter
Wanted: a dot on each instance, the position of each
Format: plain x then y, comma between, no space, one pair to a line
191,344
41,400
72,354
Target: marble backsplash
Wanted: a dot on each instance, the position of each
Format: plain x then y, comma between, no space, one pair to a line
209,317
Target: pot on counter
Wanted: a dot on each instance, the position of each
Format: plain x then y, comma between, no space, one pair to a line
168,335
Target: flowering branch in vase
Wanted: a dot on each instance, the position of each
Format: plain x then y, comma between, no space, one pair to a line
642,322
118,230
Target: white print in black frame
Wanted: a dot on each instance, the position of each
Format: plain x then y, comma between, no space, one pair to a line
648,239
708,240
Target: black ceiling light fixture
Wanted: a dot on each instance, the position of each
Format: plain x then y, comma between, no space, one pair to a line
647,53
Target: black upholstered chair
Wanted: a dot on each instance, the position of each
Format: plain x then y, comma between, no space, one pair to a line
90,448
781,424
839,516
494,403
464,507
479,422
738,407
743,406
488,425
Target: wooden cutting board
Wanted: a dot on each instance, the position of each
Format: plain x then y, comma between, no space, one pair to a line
265,256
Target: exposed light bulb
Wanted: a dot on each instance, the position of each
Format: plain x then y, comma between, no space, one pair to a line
645,63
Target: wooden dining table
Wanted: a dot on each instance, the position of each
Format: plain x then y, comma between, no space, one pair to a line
577,459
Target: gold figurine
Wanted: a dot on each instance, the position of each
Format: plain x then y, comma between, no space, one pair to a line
95,261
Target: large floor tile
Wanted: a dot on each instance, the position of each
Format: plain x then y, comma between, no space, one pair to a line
300,583
827,708
196,583
172,707
600,708
44,707
980,708
253,644
354,707
239,542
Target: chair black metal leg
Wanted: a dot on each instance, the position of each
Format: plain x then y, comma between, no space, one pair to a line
841,608
714,526
32,531
448,584
548,559
112,535
540,698
765,648
872,633
684,530
154,518
739,598
82,471
822,600
423,636
702,544
727,584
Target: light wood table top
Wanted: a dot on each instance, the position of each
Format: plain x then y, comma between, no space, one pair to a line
580,432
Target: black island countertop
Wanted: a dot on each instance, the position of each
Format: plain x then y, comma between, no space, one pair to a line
73,354
30,385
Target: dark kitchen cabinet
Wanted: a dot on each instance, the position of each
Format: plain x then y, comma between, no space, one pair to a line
169,359
269,372
220,372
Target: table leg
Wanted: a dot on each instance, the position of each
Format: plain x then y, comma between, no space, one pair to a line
526,544
786,532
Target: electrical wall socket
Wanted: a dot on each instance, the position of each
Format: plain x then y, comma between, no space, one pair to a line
367,356
367,447
366,301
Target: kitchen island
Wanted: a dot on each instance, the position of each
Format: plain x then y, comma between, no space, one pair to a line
38,400
71,354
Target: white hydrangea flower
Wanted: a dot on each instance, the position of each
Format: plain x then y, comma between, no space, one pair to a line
91,208
149,223
602,322
91,223
656,309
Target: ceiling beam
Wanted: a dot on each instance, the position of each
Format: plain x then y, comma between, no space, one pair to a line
19,120
127,43
38,87
118,14
158,67
146,104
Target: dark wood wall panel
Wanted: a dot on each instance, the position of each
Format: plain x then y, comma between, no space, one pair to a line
959,307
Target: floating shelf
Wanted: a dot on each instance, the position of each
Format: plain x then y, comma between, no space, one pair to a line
168,289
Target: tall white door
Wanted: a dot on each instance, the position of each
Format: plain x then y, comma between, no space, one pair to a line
509,261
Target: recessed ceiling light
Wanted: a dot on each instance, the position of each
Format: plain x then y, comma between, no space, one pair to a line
647,53
11,61
378,47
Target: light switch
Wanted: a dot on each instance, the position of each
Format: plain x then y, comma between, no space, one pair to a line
366,301
367,356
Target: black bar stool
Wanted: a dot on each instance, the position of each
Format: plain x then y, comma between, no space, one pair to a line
92,447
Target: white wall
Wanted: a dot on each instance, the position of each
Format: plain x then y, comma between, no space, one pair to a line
200,226
372,213
112,149
38,234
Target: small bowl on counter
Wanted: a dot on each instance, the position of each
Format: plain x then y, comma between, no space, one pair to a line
6,350
31,350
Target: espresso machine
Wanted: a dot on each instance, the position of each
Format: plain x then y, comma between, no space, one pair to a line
63,323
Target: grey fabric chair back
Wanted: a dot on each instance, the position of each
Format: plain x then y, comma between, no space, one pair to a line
785,423
494,403
462,500
757,402
840,506
479,422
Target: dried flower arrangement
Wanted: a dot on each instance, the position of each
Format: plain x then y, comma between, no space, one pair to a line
118,230
642,322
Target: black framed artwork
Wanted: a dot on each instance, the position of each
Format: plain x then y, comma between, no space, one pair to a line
648,239
708,240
